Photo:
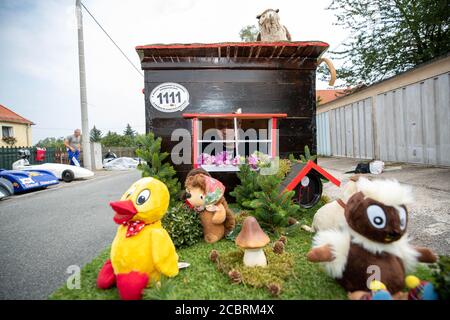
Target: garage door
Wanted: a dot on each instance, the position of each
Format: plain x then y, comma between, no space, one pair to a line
413,122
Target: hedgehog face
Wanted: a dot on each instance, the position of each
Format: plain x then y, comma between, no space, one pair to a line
375,220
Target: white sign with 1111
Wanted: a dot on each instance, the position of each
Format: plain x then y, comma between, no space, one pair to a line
169,97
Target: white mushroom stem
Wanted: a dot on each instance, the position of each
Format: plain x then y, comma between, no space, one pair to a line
255,257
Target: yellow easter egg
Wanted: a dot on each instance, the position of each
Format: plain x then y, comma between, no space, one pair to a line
376,285
412,281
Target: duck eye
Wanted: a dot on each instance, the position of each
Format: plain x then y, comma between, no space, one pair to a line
376,216
402,215
143,197
201,196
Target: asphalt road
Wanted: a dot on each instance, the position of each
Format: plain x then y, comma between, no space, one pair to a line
45,232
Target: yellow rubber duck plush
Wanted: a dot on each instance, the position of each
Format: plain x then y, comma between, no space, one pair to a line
142,250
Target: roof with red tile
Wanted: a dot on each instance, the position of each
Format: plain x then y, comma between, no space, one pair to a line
156,53
10,116
326,96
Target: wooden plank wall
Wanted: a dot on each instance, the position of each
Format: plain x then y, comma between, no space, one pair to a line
255,91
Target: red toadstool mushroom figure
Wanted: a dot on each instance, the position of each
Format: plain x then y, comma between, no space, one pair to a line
252,239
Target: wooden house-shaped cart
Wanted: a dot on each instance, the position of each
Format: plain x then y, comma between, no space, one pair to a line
249,85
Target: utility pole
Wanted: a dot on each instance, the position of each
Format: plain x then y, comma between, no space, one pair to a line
86,145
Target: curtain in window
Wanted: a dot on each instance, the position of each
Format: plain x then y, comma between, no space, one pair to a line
6,131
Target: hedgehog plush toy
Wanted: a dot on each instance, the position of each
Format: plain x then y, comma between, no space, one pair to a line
206,195
374,242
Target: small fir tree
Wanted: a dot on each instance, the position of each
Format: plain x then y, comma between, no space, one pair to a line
95,135
249,185
157,166
129,131
271,207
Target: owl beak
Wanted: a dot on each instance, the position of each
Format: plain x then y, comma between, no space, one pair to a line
392,236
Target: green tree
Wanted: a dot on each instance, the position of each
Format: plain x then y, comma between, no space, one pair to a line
157,166
51,142
95,135
271,207
113,139
249,33
129,131
389,36
245,191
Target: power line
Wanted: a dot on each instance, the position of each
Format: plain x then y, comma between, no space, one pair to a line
117,46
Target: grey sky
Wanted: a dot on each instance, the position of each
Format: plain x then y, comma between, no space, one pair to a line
39,62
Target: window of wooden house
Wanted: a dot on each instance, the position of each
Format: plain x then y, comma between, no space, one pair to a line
222,141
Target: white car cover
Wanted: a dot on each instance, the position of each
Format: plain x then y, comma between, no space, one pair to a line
122,163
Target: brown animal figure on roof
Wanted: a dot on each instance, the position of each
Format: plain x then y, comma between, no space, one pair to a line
270,28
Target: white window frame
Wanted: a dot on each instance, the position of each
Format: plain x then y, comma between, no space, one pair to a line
229,168
11,130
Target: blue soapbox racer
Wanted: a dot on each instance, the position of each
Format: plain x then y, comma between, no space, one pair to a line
23,181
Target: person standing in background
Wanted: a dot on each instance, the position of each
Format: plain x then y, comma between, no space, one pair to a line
73,145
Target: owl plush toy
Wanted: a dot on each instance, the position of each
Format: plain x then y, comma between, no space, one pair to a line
374,242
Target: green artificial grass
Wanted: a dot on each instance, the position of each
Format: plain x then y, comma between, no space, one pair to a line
279,268
202,280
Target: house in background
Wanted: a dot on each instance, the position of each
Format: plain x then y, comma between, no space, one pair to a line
14,126
328,95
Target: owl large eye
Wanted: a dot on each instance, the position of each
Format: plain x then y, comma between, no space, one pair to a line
143,197
402,215
376,216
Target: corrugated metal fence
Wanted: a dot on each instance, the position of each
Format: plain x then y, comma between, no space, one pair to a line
413,123
323,134
351,130
9,154
407,124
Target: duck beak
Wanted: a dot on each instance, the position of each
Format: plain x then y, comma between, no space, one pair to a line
125,210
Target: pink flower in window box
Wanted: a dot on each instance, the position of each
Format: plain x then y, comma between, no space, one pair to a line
236,161
218,160
252,161
205,158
